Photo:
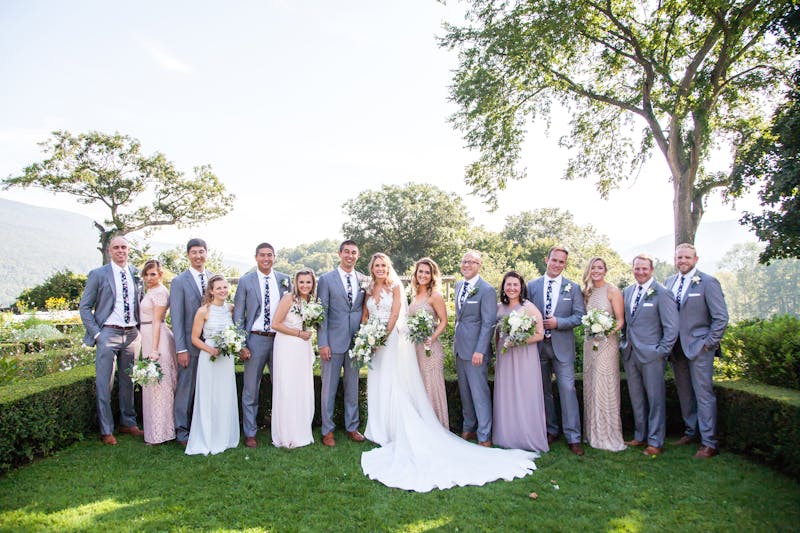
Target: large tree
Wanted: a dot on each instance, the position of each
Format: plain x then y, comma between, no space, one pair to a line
141,192
407,222
692,74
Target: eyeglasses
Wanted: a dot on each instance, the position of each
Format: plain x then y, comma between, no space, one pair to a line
470,262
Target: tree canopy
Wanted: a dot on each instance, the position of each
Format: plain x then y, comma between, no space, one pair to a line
677,77
141,192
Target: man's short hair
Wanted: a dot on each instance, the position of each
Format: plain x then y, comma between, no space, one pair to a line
557,248
347,242
643,257
265,245
194,243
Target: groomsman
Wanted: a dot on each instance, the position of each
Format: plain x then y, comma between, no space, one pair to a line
109,310
649,333
476,314
255,303
340,292
561,303
185,297
703,317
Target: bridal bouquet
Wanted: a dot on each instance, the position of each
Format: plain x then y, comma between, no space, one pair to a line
420,328
312,313
369,337
229,342
597,324
518,326
145,372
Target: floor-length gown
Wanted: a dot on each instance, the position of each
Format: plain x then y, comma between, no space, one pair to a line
215,418
431,367
292,387
518,419
158,398
601,397
416,452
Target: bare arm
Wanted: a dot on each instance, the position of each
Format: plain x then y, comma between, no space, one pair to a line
280,315
197,328
158,316
617,305
437,302
533,311
397,294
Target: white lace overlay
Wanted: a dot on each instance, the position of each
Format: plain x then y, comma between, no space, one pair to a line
416,452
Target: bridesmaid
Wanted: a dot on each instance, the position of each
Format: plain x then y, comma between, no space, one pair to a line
293,368
601,412
158,344
425,284
519,419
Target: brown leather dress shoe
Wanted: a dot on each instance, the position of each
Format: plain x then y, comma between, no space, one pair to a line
131,430
108,439
551,438
355,436
250,442
486,444
634,442
328,440
706,452
576,448
683,441
652,450
469,435
182,442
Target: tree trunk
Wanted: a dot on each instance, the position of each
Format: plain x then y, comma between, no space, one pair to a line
104,240
687,207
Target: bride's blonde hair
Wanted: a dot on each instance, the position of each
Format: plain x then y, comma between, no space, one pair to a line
391,276
588,286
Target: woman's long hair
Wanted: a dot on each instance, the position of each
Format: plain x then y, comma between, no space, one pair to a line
391,276
523,290
208,297
296,291
436,275
588,286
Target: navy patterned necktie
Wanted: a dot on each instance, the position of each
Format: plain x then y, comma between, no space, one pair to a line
636,301
463,297
548,307
349,290
680,291
266,304
126,306
202,284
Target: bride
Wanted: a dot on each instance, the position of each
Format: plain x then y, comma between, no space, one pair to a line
416,452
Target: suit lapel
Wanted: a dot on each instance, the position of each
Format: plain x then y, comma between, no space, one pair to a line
110,279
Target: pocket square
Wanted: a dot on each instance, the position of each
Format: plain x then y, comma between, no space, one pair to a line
691,294
471,302
567,299
647,305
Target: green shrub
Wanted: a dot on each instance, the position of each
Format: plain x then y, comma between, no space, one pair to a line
63,284
767,351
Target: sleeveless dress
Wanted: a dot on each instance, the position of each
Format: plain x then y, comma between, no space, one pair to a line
519,419
416,452
215,418
601,396
158,399
431,367
292,387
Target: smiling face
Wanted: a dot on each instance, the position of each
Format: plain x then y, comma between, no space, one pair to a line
305,284
470,265
598,271
642,270
423,275
685,259
197,257
265,257
380,270
556,262
512,288
118,249
219,289
152,277
348,256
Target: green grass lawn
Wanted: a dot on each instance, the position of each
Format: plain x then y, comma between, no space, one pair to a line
132,487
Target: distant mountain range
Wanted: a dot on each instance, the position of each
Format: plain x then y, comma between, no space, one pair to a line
38,241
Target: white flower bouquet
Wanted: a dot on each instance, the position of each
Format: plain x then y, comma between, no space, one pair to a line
145,372
369,337
312,313
420,329
597,324
229,342
518,326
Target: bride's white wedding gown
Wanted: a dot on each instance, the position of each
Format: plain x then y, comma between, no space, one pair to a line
416,452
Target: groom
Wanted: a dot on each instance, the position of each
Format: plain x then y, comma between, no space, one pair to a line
476,314
254,305
185,297
340,292
650,331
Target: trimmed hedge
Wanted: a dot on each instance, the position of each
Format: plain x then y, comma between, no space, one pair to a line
42,415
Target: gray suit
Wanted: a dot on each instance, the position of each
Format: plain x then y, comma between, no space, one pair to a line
703,317
96,305
475,321
184,300
647,340
247,308
337,331
557,355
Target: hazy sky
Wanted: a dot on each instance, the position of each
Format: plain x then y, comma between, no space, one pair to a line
297,105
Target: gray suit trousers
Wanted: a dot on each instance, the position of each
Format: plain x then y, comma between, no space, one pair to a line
123,347
260,355
648,398
331,373
693,379
184,395
568,397
476,399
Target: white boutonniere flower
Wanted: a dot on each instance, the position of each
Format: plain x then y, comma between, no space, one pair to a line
285,283
364,284
695,279
566,289
472,292
651,291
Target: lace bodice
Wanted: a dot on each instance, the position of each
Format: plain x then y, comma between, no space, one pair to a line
219,318
383,308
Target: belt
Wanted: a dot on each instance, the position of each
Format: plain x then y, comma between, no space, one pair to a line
548,339
120,328
263,333
148,323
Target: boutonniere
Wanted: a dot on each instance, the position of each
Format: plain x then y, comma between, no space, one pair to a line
364,284
695,279
285,283
472,292
566,289
651,291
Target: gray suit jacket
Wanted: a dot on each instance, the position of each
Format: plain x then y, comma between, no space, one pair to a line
184,300
475,321
247,302
99,296
703,316
569,311
653,330
342,320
